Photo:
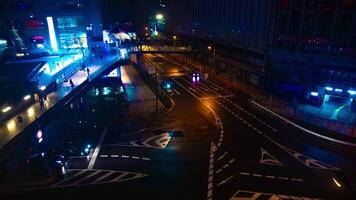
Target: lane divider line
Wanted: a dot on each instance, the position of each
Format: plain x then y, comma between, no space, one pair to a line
271,177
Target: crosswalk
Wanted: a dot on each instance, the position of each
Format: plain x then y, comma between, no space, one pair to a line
75,177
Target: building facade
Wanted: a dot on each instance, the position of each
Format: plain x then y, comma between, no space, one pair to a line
43,24
308,45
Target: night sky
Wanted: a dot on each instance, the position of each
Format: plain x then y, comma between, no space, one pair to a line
122,11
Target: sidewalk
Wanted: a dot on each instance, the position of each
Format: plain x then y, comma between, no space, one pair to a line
12,127
142,101
328,126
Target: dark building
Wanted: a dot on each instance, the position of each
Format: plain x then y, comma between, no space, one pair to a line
308,45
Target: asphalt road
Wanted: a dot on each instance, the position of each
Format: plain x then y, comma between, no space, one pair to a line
212,145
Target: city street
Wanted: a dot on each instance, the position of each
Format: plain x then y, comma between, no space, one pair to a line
221,145
178,99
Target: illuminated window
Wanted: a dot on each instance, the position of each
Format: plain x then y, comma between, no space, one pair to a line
70,22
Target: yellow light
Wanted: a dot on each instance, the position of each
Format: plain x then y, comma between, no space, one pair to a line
31,111
337,183
174,37
27,97
159,16
209,47
11,125
7,109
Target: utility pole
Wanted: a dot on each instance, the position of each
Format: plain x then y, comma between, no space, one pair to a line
156,88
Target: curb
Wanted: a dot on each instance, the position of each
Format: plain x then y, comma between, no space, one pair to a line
171,107
304,129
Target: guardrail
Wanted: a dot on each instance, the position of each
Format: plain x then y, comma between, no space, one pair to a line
162,94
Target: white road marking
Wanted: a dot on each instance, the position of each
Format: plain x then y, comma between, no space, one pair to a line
86,177
257,175
304,129
283,178
97,149
120,176
146,158
224,181
243,194
124,156
135,157
297,179
245,173
192,89
271,177
103,156
114,156
68,178
211,171
267,158
176,91
103,177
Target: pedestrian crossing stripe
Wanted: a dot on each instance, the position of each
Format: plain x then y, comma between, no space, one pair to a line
308,161
249,195
75,177
158,142
267,158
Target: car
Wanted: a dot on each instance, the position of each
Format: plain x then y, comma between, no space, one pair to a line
195,77
43,165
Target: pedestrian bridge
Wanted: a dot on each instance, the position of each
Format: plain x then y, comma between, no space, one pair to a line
161,49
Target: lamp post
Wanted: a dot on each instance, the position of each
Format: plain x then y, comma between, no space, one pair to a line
210,48
174,40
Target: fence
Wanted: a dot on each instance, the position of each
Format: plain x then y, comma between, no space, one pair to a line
150,80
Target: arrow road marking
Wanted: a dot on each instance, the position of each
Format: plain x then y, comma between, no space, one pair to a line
243,195
267,158
308,161
157,142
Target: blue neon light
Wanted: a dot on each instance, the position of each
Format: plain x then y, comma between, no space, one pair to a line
351,92
315,94
52,34
329,88
338,90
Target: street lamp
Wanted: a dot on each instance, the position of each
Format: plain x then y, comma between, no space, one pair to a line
214,56
174,39
159,16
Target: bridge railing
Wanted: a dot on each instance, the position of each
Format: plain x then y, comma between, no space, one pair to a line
108,65
161,48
